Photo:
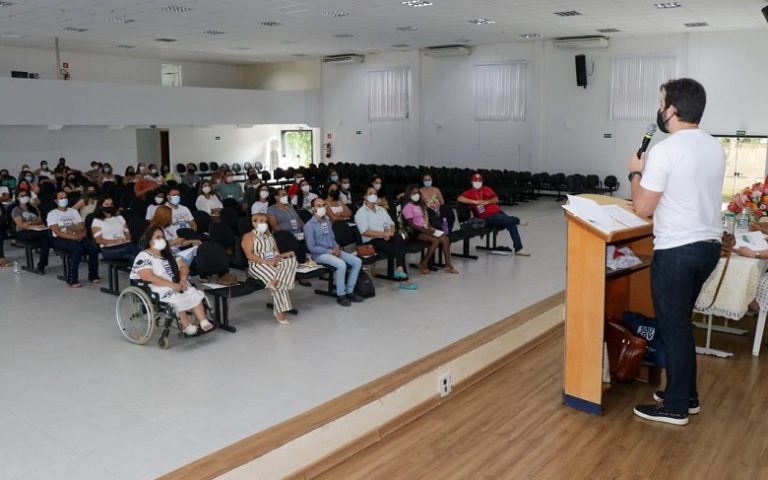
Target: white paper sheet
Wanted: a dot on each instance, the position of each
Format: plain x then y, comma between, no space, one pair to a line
754,240
623,216
607,218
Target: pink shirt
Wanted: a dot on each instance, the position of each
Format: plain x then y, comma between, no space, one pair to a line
414,213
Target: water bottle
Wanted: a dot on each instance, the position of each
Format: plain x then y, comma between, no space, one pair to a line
445,225
16,268
729,223
742,222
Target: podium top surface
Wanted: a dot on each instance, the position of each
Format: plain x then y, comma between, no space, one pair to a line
617,235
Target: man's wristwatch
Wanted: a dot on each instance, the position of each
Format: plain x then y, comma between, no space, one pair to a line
633,174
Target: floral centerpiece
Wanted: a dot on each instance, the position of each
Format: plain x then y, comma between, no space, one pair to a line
754,198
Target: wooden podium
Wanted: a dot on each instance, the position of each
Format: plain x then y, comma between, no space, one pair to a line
593,294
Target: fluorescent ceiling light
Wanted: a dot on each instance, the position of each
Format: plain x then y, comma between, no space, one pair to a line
407,28
11,35
5,4
568,13
336,13
73,29
240,49
343,35
166,40
608,30
668,5
400,45
270,23
417,3
482,21
122,19
213,31
175,9
125,46
696,24
530,35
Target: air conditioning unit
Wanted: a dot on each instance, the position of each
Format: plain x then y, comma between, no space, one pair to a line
344,59
447,51
579,43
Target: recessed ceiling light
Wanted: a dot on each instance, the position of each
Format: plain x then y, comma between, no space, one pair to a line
240,49
696,24
568,13
407,28
608,30
668,5
73,29
11,35
417,3
5,4
299,55
482,21
166,40
270,23
175,9
122,19
530,35
400,45
343,35
336,13
126,46
213,31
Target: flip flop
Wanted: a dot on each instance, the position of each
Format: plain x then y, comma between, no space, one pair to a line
408,286
401,275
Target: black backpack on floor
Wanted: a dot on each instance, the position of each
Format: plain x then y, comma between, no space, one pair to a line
364,286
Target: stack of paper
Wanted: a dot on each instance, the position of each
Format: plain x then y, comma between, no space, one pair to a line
607,218
754,240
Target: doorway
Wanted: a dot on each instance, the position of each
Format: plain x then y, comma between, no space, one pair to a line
745,162
297,148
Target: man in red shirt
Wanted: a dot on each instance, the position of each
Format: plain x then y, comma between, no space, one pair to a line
485,204
293,190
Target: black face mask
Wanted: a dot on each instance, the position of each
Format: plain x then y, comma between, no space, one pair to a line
661,123
108,210
129,172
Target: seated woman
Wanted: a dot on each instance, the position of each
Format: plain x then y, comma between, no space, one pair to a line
87,203
336,210
183,247
303,198
266,263
208,201
431,196
415,214
106,175
158,199
378,184
282,216
168,277
69,235
378,229
111,233
129,177
345,192
261,204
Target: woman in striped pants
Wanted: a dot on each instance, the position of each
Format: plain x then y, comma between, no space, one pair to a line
266,263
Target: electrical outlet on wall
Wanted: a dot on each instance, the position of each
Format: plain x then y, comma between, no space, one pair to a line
444,384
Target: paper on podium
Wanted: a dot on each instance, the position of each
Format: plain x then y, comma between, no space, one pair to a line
754,240
607,218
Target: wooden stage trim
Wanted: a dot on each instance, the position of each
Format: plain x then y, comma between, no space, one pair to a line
254,446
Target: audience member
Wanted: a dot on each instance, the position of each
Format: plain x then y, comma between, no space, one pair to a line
181,216
168,174
30,227
378,184
484,202
336,209
207,200
155,175
303,198
106,175
431,195
345,194
129,177
181,246
190,178
261,204
298,177
228,188
69,235
266,263
145,183
415,214
159,199
87,203
111,233
93,173
168,276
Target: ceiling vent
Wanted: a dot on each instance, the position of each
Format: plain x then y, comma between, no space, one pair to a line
447,51
578,43
344,59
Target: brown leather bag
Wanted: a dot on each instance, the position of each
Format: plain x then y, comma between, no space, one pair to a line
366,250
625,351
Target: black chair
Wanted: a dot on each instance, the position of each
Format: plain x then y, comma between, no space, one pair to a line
214,166
247,166
610,184
265,176
222,234
211,259
139,206
229,217
236,168
231,203
137,227
305,215
181,169
203,220
129,215
454,235
286,242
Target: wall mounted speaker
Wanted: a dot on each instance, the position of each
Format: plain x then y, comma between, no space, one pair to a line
581,71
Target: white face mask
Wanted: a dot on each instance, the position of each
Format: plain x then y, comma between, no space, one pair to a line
320,212
284,200
261,227
372,198
299,180
377,186
345,186
206,189
415,197
24,200
477,185
264,194
159,200
159,244
305,189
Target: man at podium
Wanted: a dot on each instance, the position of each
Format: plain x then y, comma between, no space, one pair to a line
680,185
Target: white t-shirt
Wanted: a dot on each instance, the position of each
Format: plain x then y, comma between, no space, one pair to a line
180,217
151,211
111,228
208,204
64,220
688,167
159,267
259,207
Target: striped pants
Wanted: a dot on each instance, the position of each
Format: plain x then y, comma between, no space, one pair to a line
284,272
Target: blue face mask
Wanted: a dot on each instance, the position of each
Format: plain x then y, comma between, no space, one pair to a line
334,178
427,183
62,202
175,199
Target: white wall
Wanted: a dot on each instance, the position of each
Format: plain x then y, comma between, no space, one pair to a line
299,75
94,67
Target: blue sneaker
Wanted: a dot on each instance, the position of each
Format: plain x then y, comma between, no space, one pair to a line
657,413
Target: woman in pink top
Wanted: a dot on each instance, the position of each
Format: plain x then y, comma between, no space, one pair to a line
415,215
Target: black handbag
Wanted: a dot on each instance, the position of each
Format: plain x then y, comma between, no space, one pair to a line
364,286
473,223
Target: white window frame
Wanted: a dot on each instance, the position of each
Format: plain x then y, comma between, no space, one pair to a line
389,94
635,82
501,91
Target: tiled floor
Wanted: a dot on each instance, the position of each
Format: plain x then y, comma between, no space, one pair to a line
78,401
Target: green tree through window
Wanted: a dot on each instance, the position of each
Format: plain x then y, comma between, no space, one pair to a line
298,143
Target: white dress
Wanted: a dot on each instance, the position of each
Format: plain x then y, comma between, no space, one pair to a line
186,300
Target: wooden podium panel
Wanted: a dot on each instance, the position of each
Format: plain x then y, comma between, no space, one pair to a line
594,294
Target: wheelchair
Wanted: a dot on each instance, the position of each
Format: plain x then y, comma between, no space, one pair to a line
139,312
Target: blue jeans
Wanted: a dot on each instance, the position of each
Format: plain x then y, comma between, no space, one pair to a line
75,250
343,285
677,275
125,251
501,219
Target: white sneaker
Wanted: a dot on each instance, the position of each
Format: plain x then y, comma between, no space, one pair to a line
522,253
524,222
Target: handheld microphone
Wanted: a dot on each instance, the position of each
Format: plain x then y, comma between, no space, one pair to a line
647,139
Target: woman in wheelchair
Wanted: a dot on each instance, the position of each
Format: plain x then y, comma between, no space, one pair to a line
168,277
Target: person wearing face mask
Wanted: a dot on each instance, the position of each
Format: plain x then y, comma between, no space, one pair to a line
145,183
378,184
27,176
261,204
106,175
282,216
345,192
184,247
378,229
277,270
155,175
208,201
298,177
321,242
30,227
190,178
168,174
73,183
416,216
333,177
69,235
168,277
336,209
304,197
485,204
252,186
43,170
680,186
181,217
157,200
228,188
111,233
431,195
87,203
93,173
129,177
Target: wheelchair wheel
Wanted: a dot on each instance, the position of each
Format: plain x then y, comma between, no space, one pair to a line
135,315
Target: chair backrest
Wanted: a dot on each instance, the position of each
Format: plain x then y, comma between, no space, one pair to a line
211,259
305,215
88,224
344,233
203,220
610,181
247,166
139,206
244,225
463,212
214,166
222,234
204,167
236,168
180,168
265,176
231,203
286,241
229,217
137,227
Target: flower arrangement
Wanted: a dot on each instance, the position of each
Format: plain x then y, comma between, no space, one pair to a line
754,198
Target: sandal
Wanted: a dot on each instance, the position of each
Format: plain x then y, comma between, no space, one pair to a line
75,285
401,275
283,321
190,330
451,270
4,263
409,286
206,326
425,269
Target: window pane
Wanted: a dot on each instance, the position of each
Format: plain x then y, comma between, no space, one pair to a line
500,91
635,83
388,94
